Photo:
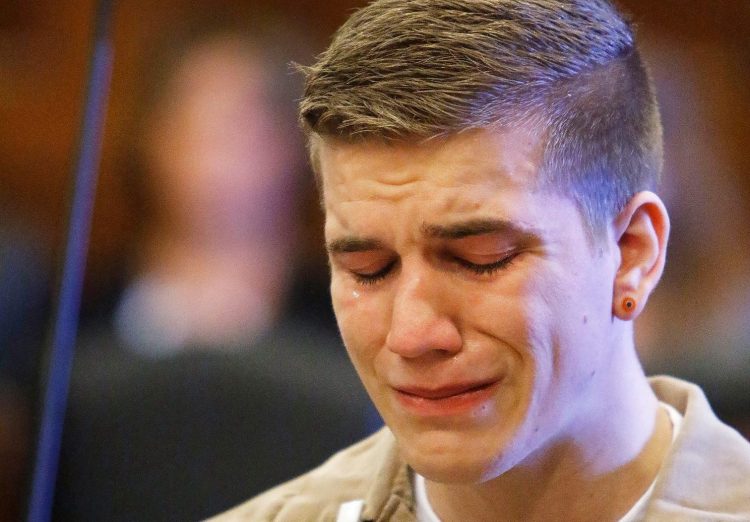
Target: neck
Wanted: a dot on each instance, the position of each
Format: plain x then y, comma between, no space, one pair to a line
597,469
224,295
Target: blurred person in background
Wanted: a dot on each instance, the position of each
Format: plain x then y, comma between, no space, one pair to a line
202,387
220,162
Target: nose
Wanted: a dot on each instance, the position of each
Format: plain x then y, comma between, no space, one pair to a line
419,324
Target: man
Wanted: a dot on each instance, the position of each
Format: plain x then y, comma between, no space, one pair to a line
486,169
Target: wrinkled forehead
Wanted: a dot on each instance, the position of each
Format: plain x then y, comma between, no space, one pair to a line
507,155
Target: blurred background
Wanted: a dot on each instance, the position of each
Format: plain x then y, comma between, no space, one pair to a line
207,243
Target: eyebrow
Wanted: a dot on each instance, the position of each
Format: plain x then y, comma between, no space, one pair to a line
474,227
353,244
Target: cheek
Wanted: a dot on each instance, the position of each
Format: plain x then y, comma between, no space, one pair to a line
524,317
361,316
513,312
570,325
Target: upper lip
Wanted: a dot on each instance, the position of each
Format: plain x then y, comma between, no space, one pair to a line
445,391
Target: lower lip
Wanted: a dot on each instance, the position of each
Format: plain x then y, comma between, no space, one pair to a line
461,403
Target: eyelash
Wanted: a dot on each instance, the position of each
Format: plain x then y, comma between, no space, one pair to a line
371,279
489,268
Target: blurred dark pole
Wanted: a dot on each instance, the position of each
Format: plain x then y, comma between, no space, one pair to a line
65,323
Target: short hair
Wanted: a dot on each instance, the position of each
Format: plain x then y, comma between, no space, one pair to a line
411,70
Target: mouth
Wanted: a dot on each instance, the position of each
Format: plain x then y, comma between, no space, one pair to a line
446,400
443,392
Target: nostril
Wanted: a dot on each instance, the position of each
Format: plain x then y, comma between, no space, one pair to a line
411,338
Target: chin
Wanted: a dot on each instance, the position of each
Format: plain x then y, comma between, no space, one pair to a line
450,458
447,471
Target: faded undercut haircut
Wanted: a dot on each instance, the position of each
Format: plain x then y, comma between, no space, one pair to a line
409,70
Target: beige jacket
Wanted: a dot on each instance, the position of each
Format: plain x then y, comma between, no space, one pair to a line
705,477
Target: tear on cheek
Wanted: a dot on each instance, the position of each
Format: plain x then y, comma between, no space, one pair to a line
346,297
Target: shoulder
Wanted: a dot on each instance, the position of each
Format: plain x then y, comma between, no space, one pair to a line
706,472
317,495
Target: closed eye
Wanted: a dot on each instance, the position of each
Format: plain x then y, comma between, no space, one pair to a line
370,278
366,263
486,268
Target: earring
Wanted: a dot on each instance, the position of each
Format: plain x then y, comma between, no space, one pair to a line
628,304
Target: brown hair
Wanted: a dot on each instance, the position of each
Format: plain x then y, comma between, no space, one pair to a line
419,69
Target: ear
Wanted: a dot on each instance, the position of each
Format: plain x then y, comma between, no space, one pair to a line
641,231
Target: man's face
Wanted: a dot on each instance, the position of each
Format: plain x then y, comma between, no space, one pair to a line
471,304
